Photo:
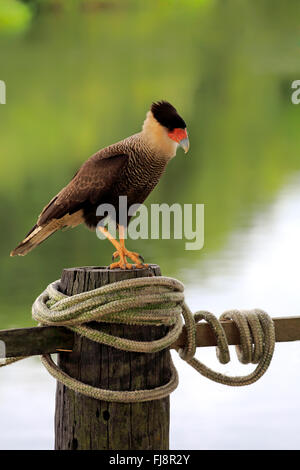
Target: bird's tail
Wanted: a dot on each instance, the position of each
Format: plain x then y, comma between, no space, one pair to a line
37,235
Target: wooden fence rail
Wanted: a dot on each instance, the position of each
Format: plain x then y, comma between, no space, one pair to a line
49,339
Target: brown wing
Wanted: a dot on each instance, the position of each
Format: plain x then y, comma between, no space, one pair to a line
93,179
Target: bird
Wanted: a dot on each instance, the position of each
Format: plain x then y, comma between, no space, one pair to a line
131,167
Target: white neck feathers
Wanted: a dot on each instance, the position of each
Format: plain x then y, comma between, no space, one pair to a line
157,137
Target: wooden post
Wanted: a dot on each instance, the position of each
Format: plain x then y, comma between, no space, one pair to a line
85,423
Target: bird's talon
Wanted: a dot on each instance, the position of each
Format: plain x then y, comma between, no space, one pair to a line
141,266
119,264
135,257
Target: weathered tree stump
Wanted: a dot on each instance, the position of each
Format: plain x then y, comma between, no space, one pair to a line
85,423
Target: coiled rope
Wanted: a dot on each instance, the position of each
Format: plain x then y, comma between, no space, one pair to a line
152,301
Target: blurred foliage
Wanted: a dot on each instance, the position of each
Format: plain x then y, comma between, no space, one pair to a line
81,79
15,17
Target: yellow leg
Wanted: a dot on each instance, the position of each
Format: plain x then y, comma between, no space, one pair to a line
122,263
122,251
135,257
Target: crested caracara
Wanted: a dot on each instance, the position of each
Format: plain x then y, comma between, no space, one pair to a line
129,168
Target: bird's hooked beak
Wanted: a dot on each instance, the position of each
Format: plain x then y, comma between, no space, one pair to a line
181,137
185,144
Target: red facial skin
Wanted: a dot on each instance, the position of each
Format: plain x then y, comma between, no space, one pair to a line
178,134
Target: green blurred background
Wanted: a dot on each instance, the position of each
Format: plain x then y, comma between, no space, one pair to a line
81,75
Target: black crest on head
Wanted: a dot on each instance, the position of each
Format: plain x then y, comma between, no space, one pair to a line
167,115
